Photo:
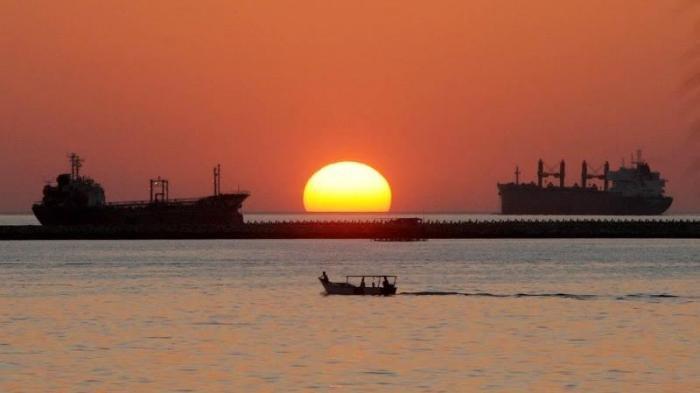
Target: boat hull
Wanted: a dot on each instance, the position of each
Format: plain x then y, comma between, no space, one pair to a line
531,199
214,210
341,288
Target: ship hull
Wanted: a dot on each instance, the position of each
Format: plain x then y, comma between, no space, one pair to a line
214,210
530,199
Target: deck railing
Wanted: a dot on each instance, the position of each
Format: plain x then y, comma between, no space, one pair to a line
172,201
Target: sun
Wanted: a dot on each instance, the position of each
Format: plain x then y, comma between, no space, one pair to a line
347,187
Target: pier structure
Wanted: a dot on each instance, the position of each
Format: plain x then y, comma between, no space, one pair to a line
387,230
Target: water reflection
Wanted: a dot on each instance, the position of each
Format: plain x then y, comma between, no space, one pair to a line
547,315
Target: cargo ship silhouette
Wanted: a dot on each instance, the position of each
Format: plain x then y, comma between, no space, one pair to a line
635,190
79,200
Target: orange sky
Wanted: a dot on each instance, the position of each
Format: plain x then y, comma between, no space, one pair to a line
442,97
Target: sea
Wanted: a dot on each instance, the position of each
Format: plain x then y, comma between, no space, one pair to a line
495,315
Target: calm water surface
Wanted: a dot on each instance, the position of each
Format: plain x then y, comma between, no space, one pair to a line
225,315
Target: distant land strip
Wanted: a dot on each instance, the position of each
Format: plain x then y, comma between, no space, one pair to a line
377,230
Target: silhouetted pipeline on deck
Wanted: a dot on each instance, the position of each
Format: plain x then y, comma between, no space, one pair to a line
378,230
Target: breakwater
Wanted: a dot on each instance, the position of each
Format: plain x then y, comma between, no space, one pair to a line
379,230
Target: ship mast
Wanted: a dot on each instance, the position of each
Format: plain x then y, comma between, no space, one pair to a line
75,163
217,180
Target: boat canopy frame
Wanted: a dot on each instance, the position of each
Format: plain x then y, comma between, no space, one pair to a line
379,277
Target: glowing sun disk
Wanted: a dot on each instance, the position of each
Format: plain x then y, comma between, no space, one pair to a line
347,186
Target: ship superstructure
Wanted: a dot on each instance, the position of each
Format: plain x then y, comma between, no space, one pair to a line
79,200
634,190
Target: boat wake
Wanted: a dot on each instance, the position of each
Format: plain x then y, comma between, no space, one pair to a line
632,296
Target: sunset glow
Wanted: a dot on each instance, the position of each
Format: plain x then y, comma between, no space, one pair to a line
347,187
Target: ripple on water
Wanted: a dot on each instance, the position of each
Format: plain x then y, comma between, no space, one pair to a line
380,372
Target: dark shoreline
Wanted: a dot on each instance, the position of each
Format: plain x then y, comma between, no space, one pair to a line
378,230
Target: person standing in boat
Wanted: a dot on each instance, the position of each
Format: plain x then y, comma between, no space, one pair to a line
385,282
324,277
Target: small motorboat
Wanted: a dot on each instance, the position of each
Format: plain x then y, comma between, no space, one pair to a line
378,285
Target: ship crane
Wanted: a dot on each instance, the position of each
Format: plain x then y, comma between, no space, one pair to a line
542,174
159,190
585,175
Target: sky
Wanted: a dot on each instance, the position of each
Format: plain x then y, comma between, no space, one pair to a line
443,97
